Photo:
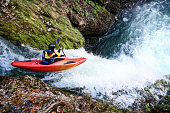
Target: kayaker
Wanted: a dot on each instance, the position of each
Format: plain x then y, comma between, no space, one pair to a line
49,55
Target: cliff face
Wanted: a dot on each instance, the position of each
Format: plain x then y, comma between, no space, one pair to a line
39,22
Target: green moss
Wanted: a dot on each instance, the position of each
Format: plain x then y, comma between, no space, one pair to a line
147,107
28,28
64,110
86,13
92,3
34,87
10,87
94,11
77,0
84,4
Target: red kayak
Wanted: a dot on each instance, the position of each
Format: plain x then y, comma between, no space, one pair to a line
58,65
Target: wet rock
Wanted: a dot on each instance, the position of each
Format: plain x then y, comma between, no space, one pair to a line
95,23
29,94
154,98
77,109
4,3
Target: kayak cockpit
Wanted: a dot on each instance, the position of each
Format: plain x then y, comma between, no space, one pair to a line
55,60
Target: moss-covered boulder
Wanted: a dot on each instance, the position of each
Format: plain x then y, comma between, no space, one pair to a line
37,23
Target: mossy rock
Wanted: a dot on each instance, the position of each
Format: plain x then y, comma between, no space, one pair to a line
37,25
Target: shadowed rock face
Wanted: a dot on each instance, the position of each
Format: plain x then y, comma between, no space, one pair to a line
95,26
100,21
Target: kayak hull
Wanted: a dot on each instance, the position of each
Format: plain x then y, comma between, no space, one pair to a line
59,65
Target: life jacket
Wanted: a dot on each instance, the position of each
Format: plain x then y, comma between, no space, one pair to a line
48,56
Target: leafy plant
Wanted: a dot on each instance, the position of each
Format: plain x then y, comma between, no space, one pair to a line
85,3
94,11
64,110
77,0
82,14
147,107
86,13
92,4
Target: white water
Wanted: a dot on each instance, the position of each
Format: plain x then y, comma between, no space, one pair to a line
150,61
7,55
10,53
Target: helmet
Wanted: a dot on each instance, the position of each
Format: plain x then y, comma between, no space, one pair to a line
51,46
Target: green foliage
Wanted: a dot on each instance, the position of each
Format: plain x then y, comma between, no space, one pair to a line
164,103
89,2
147,107
94,11
100,8
84,4
86,13
64,110
77,0
34,87
10,87
77,8
82,13
92,3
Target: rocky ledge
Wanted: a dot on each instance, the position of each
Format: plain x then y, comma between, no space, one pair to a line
29,94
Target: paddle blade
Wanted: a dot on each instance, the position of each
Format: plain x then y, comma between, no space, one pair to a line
58,41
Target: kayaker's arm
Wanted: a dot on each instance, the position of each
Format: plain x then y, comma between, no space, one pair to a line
58,53
59,50
63,55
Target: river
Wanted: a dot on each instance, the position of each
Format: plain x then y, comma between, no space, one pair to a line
134,53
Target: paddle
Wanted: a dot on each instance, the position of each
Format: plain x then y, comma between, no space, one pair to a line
58,43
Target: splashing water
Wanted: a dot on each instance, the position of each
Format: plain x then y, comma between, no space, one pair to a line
7,55
134,53
10,53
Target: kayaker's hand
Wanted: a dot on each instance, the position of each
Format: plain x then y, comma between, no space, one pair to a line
63,55
61,47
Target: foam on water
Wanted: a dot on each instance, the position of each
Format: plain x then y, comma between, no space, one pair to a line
150,60
10,53
100,75
7,55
